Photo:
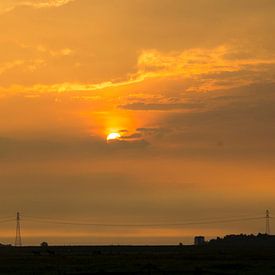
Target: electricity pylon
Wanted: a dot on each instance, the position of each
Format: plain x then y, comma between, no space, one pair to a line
18,240
267,224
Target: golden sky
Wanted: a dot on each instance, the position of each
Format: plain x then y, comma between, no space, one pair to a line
187,87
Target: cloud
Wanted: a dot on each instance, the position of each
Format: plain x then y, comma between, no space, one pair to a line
146,135
197,44
184,82
199,62
148,131
159,106
58,148
8,5
132,136
241,120
48,3
10,65
209,68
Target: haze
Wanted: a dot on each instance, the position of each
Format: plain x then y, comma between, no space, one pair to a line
189,88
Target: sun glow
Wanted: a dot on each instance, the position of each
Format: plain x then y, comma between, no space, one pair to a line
113,136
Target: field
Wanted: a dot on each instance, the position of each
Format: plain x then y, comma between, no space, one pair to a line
206,259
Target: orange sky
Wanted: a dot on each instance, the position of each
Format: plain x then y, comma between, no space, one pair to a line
189,87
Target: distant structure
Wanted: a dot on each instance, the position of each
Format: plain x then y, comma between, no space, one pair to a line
44,244
267,224
199,240
18,240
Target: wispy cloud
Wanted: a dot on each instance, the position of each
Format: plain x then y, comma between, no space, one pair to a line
8,5
206,66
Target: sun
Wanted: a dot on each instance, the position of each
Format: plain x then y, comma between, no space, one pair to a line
113,136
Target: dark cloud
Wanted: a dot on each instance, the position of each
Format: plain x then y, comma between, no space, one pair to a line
123,131
153,131
132,136
148,130
159,106
51,148
242,121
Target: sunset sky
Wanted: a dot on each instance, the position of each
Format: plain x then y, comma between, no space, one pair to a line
187,90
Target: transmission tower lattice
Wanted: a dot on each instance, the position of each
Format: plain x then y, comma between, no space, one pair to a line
267,224
18,240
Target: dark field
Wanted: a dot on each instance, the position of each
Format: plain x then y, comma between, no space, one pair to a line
206,259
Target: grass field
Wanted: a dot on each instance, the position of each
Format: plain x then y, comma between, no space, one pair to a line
206,259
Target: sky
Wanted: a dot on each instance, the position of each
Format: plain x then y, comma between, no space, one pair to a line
188,89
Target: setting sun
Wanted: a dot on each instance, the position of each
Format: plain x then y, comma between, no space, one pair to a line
113,136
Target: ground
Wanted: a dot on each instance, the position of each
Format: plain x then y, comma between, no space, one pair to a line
207,259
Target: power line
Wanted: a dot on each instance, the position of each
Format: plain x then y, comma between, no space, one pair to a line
49,221
7,220
241,217
205,221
